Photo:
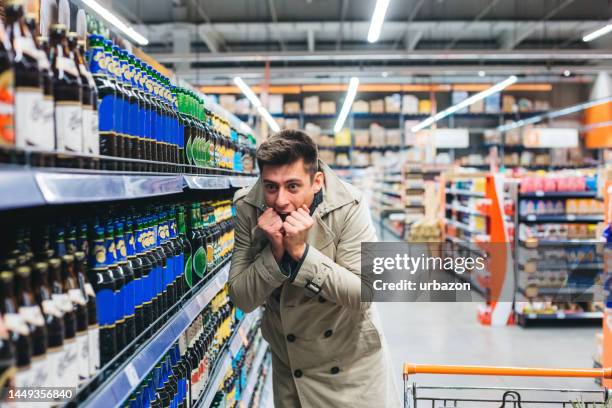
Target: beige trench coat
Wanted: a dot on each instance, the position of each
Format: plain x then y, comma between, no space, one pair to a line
327,347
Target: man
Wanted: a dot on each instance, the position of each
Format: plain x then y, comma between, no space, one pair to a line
299,231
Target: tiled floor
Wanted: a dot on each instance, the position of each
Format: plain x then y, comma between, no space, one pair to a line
448,333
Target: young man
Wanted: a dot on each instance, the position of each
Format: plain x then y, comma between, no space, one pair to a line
299,231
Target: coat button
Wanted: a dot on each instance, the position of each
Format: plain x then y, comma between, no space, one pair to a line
298,373
290,338
334,370
328,333
321,299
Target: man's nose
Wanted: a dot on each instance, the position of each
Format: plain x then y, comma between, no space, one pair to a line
283,198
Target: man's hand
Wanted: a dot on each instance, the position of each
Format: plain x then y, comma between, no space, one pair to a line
296,228
271,225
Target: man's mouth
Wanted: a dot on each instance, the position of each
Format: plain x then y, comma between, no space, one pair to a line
283,216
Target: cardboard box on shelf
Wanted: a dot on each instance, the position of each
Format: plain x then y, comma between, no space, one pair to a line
327,156
377,106
525,105
326,140
328,108
343,137
393,103
275,103
425,106
313,130
457,97
492,103
541,105
292,123
311,105
377,135
360,158
409,135
362,137
228,102
410,104
393,137
361,106
342,159
243,106
508,104
291,108
477,107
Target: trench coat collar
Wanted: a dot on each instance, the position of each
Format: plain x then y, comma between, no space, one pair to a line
335,193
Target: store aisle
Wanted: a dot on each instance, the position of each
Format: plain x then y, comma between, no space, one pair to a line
448,333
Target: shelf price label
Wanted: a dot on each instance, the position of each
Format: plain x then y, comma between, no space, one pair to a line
132,376
531,217
571,217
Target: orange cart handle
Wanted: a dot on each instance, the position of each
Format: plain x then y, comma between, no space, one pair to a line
410,369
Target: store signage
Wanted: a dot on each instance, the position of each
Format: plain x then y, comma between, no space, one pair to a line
551,137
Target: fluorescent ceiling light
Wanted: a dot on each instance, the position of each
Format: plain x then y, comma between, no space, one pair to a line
554,114
247,91
465,103
266,115
597,33
115,21
378,17
348,103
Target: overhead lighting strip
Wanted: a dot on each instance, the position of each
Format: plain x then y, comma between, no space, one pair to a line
256,102
465,103
554,114
348,104
115,21
378,18
597,33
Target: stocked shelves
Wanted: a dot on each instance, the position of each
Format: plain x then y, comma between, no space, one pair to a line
533,218
556,243
253,375
33,187
117,388
525,319
465,210
465,227
469,193
216,379
559,194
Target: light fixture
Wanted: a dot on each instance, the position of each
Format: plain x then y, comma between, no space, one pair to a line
378,17
112,19
384,74
465,103
481,73
248,92
597,33
348,103
554,114
567,73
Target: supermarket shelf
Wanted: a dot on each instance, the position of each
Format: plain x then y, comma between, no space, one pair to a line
568,266
336,148
240,335
561,218
23,187
118,388
254,374
216,379
457,191
567,293
559,194
206,182
377,148
242,181
392,193
525,319
465,210
568,242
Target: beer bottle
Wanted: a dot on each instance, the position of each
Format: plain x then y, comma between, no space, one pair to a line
48,102
186,264
104,287
118,286
30,313
7,361
130,109
54,321
147,267
198,252
112,52
178,249
69,362
106,91
89,125
137,115
28,90
156,269
18,329
128,288
162,260
168,250
67,94
135,264
145,118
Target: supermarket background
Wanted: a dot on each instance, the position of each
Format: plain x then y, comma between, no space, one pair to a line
463,122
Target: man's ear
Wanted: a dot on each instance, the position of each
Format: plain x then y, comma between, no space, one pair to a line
318,181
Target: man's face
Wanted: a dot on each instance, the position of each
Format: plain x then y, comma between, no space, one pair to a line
288,187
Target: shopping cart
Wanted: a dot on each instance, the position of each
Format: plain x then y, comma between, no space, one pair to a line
416,396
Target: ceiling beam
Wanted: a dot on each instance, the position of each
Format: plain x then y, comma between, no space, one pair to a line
413,13
310,40
468,27
412,39
211,37
510,40
343,10
273,14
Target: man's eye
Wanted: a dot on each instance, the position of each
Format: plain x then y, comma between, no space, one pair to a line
293,187
270,187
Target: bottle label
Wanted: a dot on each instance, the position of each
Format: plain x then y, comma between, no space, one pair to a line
91,142
23,378
29,120
89,290
7,131
43,61
105,299
48,121
76,297
94,350
99,255
15,323
63,302
32,315
68,369
83,356
52,363
85,72
97,61
68,66
50,308
25,45
94,121
69,126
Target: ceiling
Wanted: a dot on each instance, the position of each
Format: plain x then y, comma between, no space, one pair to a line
209,42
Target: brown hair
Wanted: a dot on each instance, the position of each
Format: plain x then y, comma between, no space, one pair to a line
287,147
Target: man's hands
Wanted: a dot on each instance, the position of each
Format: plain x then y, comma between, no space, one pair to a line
287,236
271,225
296,228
